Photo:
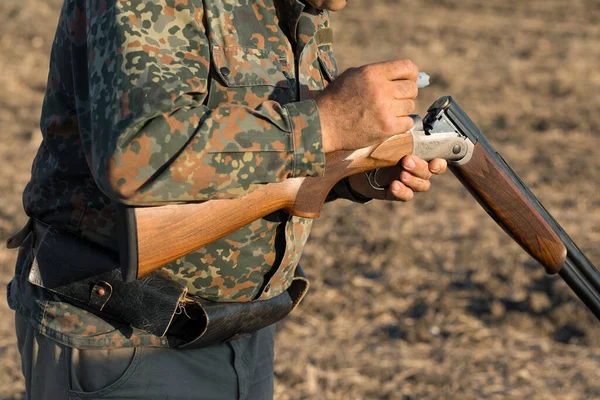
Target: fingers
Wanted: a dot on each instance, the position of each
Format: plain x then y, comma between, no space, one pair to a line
395,125
397,69
417,172
405,90
404,107
390,90
438,166
395,117
398,191
412,175
413,172
416,184
417,167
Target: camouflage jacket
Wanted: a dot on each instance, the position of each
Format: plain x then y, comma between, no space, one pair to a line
151,102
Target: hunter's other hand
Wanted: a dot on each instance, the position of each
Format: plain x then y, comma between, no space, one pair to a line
367,105
400,182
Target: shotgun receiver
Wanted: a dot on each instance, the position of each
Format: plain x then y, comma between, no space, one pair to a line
151,237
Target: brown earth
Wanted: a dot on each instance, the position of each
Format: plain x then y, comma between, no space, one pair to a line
426,300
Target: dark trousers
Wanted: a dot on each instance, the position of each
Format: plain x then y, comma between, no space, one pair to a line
238,369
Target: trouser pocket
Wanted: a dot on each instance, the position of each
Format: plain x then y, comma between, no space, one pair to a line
96,373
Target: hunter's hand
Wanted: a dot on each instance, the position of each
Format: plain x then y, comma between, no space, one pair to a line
367,105
400,182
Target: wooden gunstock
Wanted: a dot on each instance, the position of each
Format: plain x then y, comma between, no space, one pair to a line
155,236
166,233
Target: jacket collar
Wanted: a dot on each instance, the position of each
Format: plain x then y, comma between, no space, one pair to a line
290,15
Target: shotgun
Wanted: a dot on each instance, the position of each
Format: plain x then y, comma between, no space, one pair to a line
151,237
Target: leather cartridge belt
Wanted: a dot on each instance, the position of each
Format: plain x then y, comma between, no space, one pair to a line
90,277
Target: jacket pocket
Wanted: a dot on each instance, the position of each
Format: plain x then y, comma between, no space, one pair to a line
246,76
242,66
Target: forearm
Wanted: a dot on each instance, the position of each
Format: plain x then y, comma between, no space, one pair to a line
214,154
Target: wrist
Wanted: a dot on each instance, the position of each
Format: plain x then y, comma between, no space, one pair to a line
328,131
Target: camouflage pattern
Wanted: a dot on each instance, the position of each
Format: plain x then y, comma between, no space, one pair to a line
152,102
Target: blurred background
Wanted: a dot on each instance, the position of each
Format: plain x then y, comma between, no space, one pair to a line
426,300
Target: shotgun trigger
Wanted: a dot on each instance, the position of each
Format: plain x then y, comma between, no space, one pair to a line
372,179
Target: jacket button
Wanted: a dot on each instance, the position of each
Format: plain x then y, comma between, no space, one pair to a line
225,71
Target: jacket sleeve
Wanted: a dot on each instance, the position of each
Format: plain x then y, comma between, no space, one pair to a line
149,137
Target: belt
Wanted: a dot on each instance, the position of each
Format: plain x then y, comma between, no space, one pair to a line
18,238
63,265
34,226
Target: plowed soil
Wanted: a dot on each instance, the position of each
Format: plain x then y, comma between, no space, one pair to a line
429,299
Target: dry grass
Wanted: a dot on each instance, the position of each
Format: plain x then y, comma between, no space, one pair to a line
427,300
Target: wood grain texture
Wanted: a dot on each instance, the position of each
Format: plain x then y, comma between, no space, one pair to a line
511,209
342,164
166,233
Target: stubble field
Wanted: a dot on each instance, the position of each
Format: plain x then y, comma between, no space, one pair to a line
430,299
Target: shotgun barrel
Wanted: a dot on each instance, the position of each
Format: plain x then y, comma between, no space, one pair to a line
505,197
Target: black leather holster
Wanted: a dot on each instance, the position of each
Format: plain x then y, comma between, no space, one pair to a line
90,277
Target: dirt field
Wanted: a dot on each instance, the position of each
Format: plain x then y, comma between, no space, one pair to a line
427,300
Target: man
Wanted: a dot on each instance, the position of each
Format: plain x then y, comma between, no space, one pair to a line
151,102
